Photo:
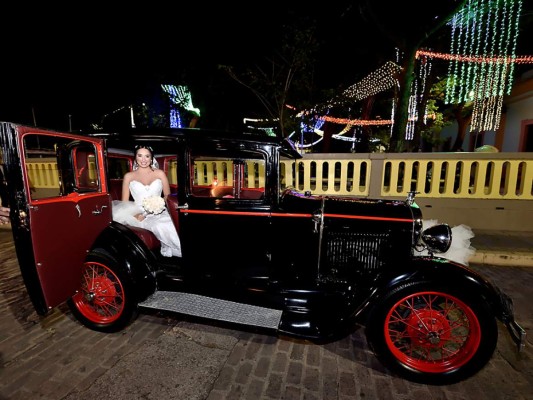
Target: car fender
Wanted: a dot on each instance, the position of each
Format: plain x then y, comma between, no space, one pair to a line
131,254
445,272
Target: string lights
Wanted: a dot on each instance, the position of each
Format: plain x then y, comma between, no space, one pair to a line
181,96
474,59
481,68
357,122
384,78
483,45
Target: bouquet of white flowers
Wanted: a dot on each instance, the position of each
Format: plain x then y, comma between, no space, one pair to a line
154,204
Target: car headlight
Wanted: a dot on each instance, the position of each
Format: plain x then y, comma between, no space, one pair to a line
437,238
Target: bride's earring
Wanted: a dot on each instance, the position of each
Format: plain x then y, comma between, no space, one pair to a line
135,166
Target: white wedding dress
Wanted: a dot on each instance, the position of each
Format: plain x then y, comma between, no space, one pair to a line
160,224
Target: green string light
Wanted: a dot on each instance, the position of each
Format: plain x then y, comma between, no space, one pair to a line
483,76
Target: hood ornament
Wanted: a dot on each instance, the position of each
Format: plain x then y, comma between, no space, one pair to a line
411,197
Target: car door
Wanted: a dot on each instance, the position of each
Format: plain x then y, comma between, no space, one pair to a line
225,218
63,204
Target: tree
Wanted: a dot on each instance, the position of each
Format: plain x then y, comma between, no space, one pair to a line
286,78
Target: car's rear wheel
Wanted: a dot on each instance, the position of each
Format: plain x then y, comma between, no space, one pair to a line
430,334
106,300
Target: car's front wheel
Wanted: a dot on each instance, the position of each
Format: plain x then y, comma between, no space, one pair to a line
431,334
106,300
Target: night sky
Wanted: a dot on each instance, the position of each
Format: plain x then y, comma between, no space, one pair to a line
90,61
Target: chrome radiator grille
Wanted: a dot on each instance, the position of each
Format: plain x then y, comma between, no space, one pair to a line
351,252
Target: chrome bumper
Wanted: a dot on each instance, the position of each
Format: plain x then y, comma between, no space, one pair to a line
518,334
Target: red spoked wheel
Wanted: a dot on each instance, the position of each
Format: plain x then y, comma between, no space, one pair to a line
101,296
105,301
432,332
432,335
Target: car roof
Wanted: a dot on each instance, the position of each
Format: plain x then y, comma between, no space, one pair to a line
163,140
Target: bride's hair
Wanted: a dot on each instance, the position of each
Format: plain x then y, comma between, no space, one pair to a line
153,165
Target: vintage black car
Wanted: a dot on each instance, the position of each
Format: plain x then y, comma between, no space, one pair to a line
256,252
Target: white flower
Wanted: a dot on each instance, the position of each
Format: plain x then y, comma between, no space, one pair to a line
154,204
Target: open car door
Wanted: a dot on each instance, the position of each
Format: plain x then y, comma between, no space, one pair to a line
60,204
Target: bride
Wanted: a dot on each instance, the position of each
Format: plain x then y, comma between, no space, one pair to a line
147,181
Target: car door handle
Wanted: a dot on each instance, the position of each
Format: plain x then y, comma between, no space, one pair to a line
99,211
183,207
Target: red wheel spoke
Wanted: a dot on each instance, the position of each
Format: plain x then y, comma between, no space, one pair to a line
101,299
432,332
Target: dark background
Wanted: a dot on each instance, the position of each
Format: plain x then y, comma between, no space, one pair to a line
69,66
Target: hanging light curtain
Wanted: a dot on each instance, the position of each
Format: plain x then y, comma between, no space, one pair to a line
483,37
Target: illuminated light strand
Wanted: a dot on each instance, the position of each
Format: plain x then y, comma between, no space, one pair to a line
514,35
475,59
489,71
181,96
175,118
384,78
467,49
426,71
380,80
483,47
416,97
490,88
356,122
412,114
452,72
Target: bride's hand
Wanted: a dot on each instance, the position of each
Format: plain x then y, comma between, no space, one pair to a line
140,217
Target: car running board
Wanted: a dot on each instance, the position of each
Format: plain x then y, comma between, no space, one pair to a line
213,308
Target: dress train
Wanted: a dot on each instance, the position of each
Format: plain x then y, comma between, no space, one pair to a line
161,224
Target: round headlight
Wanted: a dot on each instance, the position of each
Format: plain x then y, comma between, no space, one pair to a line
437,238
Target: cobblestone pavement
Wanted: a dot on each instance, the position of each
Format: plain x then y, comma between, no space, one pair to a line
166,357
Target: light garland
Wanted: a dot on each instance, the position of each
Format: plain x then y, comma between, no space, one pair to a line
481,68
175,118
483,45
357,122
181,96
384,78
475,59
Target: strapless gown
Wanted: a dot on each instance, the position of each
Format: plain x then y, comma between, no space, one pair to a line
160,224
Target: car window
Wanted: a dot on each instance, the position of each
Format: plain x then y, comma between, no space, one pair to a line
58,166
222,176
118,165
171,169
287,173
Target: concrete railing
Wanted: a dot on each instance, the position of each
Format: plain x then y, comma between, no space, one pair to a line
482,190
438,175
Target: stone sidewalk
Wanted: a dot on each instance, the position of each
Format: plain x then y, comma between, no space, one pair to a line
503,248
163,356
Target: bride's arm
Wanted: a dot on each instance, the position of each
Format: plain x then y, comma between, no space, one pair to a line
166,185
126,187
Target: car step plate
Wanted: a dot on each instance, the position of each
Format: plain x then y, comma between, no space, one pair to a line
212,308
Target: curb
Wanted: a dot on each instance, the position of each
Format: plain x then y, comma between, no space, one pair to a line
502,258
